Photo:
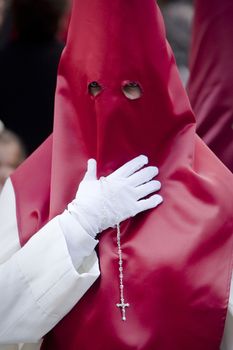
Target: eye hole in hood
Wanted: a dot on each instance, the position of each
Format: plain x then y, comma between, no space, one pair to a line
132,90
94,88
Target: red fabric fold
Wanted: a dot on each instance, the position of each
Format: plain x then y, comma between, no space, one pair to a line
210,85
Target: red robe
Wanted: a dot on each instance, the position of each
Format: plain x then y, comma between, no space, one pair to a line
178,257
210,87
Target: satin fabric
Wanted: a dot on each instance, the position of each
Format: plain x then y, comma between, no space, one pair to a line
178,257
210,85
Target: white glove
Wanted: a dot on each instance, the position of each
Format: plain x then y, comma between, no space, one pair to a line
100,204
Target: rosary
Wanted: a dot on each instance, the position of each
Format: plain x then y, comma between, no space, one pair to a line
122,303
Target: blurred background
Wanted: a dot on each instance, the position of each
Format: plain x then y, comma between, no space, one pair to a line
178,16
32,37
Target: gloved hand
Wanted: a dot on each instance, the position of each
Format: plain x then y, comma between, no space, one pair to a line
100,204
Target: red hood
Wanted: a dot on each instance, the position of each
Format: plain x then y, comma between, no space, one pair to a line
110,43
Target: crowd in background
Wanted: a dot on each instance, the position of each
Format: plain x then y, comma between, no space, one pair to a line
28,68
32,37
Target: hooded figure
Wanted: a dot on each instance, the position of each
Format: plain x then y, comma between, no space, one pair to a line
210,86
119,95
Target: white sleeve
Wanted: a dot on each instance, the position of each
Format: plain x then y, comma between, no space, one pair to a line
227,342
38,283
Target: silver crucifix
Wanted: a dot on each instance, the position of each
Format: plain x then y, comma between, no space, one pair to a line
123,306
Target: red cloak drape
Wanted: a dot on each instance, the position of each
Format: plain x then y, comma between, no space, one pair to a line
210,86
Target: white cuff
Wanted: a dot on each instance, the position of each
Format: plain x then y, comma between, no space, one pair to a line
79,243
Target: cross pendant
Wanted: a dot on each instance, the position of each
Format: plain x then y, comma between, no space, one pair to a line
123,306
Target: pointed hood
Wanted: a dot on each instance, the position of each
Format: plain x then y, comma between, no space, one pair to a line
114,45
178,257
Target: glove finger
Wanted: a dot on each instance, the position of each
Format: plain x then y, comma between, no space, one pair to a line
130,167
149,203
146,189
91,170
142,176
